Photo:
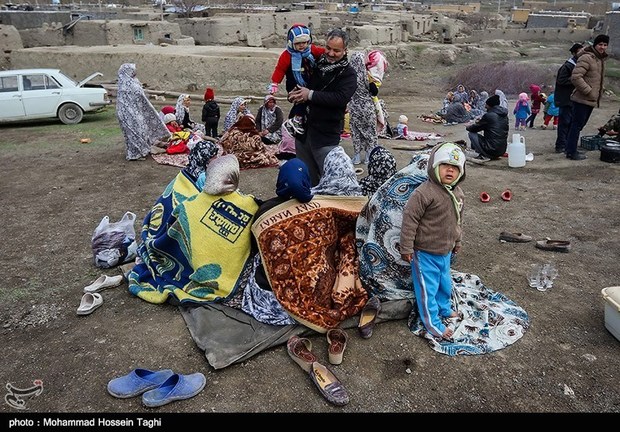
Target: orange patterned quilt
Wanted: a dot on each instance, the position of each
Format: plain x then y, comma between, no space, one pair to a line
308,251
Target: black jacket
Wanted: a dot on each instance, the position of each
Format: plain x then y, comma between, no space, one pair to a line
563,85
210,112
494,127
332,93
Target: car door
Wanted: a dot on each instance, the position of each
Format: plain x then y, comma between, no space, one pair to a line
41,95
11,106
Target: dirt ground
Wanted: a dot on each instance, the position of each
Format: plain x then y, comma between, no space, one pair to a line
54,191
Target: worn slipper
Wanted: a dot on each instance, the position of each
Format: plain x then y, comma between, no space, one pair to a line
137,382
177,387
90,302
103,282
554,245
485,197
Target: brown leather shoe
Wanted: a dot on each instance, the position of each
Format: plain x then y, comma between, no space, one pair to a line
369,316
337,343
514,237
554,245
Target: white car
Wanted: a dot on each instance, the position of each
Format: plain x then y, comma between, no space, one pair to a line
29,94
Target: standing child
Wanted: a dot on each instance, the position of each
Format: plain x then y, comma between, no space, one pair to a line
538,100
551,112
431,231
210,113
295,63
522,111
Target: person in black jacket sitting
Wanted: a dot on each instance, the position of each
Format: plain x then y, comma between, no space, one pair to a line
331,85
494,127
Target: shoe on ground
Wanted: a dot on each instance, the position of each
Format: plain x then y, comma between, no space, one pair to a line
89,302
554,127
357,159
554,245
576,156
336,344
514,237
471,154
299,349
176,387
559,149
368,317
103,282
543,126
137,382
328,384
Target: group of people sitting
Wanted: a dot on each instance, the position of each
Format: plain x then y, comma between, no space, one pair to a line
462,106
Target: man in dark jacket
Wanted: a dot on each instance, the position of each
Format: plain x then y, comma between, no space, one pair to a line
563,89
494,127
330,88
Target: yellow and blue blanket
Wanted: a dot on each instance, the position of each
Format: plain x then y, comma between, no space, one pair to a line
200,253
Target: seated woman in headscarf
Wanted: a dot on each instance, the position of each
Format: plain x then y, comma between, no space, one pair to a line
183,117
457,113
339,176
203,252
460,94
479,108
269,120
381,166
238,107
244,141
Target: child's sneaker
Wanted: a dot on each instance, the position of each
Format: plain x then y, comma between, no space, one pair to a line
297,126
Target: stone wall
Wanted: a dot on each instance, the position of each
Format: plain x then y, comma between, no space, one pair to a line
549,34
98,32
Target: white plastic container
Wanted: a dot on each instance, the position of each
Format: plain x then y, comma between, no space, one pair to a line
516,151
611,295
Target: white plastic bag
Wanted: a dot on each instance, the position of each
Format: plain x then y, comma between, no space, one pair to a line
114,243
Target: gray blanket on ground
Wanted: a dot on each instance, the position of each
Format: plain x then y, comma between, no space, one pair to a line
228,335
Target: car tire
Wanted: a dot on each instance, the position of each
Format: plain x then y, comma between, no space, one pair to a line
70,113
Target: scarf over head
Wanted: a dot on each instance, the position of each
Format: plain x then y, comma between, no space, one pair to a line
199,156
381,166
181,109
222,175
294,181
339,176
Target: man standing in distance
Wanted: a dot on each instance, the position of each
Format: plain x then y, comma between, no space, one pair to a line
563,89
330,87
587,77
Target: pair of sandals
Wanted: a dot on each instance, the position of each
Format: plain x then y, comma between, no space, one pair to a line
506,196
92,300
